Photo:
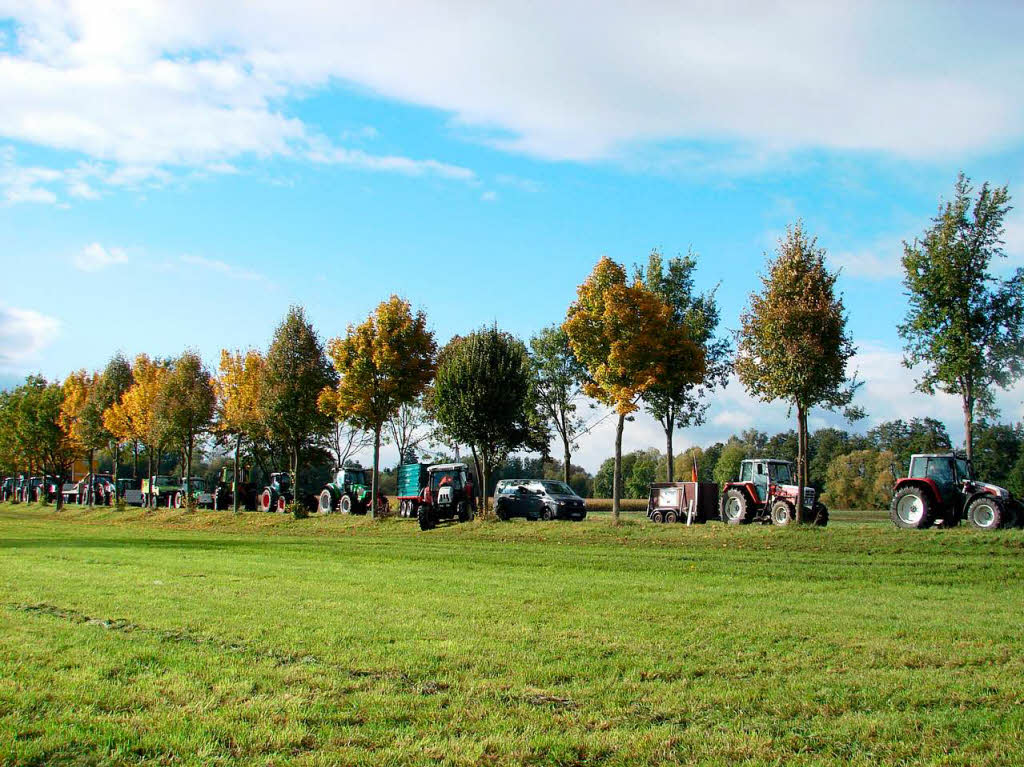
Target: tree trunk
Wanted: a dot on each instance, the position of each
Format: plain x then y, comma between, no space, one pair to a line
376,464
617,473
969,428
568,458
135,465
149,477
60,491
479,471
234,480
671,473
188,471
117,455
295,472
485,477
799,506
92,480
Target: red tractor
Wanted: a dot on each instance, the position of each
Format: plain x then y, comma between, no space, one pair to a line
941,489
765,493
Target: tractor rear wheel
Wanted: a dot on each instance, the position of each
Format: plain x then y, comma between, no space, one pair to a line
986,513
911,509
346,504
736,508
782,513
671,516
657,516
326,504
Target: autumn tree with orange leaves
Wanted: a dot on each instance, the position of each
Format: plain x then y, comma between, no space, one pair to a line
239,394
623,334
383,363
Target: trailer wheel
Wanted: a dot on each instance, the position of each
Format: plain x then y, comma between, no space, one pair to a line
671,517
911,509
326,504
346,504
782,513
426,518
986,513
657,516
736,509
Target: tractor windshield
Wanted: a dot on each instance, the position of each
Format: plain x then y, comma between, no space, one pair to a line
781,473
355,477
161,480
963,469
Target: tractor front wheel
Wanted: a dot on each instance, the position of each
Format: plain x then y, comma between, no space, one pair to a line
911,509
782,513
282,505
426,518
179,500
986,513
346,504
326,504
736,508
266,500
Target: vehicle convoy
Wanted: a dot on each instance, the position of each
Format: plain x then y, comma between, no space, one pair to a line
447,494
348,493
765,493
278,493
690,502
43,489
160,490
537,499
941,489
102,489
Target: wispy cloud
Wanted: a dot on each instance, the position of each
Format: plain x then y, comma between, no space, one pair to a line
220,267
95,257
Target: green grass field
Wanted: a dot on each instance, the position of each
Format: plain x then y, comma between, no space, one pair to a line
208,639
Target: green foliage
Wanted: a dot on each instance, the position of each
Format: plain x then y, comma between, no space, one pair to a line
186,404
727,469
862,479
965,325
997,449
643,472
297,371
905,438
560,379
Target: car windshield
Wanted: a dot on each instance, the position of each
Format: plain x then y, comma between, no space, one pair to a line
558,488
963,469
781,473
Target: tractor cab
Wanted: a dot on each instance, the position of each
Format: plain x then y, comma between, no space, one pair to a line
447,482
352,476
765,474
765,492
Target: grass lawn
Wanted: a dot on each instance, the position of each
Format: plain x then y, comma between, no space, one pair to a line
209,639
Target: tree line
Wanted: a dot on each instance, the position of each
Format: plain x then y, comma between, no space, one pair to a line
633,339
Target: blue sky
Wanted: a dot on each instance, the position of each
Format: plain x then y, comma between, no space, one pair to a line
176,174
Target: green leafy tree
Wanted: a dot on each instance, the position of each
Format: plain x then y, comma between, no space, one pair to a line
560,379
643,472
186,407
905,438
678,399
727,468
297,371
965,325
483,397
114,381
793,343
861,479
383,364
82,419
239,414
996,450
624,336
824,446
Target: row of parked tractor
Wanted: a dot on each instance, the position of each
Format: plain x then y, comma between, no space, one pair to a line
939,489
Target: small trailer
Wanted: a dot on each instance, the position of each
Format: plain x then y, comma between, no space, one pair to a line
689,502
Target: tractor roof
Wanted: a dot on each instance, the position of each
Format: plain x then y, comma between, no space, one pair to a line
448,467
938,455
766,460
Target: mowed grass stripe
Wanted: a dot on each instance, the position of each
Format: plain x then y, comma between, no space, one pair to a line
489,643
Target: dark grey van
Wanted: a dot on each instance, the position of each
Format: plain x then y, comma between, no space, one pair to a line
537,499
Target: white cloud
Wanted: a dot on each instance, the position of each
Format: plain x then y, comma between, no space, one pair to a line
94,257
324,153
878,261
489,196
220,267
24,334
193,82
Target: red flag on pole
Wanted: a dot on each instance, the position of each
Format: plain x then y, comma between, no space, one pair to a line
694,474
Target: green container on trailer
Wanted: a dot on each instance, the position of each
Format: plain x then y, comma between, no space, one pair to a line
411,477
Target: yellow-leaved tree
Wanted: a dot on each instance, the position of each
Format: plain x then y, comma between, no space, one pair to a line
134,416
383,363
623,334
82,420
239,394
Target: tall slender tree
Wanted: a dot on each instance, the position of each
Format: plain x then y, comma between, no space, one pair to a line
965,325
676,401
623,334
383,363
793,342
82,420
239,395
186,407
560,378
297,371
113,382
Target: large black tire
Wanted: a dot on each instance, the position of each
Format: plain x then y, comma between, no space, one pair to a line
782,513
820,514
911,509
426,518
987,513
325,504
735,507
462,512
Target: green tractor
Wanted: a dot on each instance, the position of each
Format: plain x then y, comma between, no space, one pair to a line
349,493
278,493
160,490
201,498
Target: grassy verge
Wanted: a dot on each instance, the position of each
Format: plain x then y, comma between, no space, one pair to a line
207,638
